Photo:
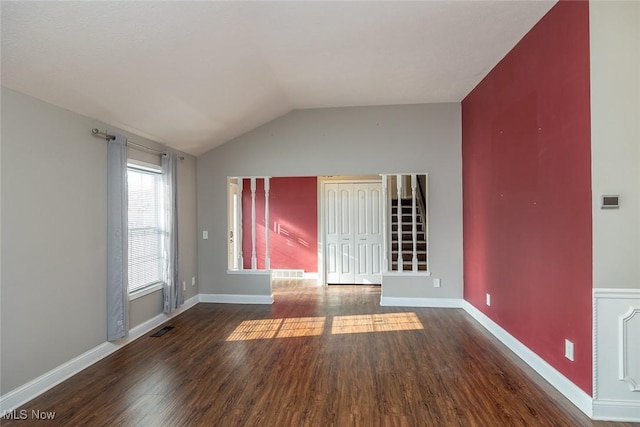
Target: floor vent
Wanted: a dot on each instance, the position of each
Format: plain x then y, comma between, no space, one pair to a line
287,274
161,332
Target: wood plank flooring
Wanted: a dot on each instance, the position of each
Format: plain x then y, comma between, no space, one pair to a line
316,357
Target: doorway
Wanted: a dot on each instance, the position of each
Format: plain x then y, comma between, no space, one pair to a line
353,232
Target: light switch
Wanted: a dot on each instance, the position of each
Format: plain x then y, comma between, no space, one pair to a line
205,234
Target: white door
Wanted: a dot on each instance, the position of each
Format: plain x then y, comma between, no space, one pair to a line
339,233
368,233
353,232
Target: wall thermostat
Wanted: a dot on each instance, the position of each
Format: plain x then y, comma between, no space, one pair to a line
610,202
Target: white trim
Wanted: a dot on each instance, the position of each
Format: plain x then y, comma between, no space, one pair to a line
612,307
420,302
267,225
320,221
615,410
615,293
385,228
407,273
254,257
139,293
239,219
236,299
594,348
311,275
571,391
29,391
624,348
399,215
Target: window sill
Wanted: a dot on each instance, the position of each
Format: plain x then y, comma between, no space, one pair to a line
407,273
139,293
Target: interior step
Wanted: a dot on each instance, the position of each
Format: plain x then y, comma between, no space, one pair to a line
407,266
410,252
408,213
407,226
394,202
409,257
406,210
407,235
408,245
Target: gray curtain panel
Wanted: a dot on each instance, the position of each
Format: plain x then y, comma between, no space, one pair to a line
172,290
117,240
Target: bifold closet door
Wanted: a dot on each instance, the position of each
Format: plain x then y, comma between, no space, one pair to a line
353,233
368,233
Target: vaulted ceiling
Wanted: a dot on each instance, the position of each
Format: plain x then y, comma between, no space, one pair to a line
194,75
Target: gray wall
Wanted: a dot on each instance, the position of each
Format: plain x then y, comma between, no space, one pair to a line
53,298
615,141
342,141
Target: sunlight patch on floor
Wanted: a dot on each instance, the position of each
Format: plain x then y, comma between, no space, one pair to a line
301,327
256,330
312,326
278,328
375,323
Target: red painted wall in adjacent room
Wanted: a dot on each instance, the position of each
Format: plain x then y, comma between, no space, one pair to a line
526,146
293,217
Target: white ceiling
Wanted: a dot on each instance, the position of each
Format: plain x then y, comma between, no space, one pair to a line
194,75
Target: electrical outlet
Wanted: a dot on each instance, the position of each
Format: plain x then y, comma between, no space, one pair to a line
488,299
205,234
568,349
436,283
193,281
184,285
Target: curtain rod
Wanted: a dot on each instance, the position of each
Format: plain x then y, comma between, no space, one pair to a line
109,137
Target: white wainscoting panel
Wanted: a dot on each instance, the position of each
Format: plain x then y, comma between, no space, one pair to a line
616,354
629,347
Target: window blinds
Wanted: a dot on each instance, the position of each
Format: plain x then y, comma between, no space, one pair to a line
145,228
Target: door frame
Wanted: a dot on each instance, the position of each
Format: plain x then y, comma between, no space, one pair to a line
322,180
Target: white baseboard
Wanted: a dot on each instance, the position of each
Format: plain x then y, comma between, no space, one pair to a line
29,391
571,391
614,410
236,299
311,276
597,409
421,302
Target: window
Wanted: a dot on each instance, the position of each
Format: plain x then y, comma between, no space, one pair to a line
145,227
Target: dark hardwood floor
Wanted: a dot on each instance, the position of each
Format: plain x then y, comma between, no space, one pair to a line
316,357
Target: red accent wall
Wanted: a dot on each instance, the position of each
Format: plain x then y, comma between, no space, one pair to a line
293,217
526,147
